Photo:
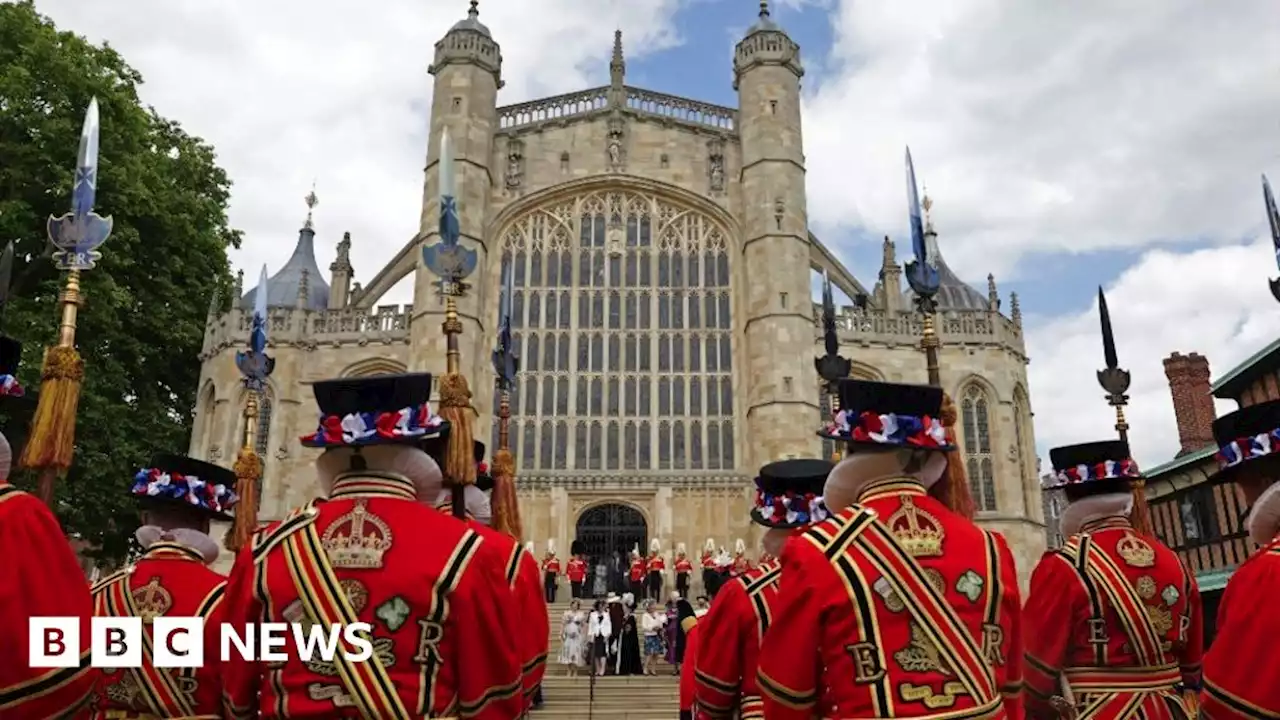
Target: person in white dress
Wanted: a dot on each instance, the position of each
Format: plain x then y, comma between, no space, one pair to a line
599,630
573,637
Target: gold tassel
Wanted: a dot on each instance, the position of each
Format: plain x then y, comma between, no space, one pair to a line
504,503
248,469
1140,517
51,444
1191,699
953,490
455,407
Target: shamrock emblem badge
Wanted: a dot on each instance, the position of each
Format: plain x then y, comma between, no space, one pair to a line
1170,595
393,612
970,585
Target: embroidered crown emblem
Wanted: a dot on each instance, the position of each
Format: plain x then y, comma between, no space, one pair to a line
151,600
357,540
919,533
1135,551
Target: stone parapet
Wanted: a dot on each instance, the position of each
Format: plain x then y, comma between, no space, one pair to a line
645,103
294,327
903,327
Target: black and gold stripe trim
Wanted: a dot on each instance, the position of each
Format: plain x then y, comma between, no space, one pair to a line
868,631
372,483
890,488
1079,559
1239,704
454,568
41,685
722,686
299,519
795,699
492,695
156,685
169,548
513,564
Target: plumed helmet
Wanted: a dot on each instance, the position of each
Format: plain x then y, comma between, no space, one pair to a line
551,547
680,549
740,546
709,545
655,546
529,548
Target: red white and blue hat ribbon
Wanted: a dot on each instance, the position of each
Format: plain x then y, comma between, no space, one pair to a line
372,427
791,507
158,483
891,429
1097,472
10,387
1249,448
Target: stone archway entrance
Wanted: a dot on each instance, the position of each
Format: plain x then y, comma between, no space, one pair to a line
608,533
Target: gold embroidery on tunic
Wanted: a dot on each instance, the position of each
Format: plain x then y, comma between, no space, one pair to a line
1146,587
151,600
357,540
1135,551
919,533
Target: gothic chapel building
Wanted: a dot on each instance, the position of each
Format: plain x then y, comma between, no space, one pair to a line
663,270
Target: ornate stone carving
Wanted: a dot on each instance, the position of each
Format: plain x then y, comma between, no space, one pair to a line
564,162
779,211
515,163
215,453
282,452
616,148
715,173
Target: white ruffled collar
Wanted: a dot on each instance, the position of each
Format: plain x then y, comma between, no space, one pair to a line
149,535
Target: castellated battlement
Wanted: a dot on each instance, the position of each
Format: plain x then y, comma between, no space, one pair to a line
310,329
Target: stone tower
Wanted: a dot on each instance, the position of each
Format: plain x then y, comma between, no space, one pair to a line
468,74
777,313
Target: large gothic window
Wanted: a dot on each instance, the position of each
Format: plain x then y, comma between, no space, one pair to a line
622,315
975,413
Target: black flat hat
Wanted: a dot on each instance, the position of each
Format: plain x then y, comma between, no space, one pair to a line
377,410
789,493
1240,437
1093,468
865,405
180,480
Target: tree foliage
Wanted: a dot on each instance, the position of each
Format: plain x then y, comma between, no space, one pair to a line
141,328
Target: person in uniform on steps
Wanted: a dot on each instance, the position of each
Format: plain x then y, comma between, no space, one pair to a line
709,577
576,570
434,589
741,563
178,496
39,574
788,499
1112,624
683,568
551,572
636,573
655,567
1241,667
897,606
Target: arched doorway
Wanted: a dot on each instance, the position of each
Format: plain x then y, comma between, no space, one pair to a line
608,533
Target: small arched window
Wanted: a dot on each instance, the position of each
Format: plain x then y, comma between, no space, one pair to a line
975,412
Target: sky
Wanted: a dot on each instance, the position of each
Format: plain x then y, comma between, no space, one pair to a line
1065,145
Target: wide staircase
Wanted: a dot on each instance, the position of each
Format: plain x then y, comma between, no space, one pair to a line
635,697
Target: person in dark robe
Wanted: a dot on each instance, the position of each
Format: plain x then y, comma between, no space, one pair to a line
616,615
629,661
672,628
684,609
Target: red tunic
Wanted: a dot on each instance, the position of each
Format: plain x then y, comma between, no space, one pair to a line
535,625
39,576
551,565
726,668
683,566
433,590
657,564
1083,625
637,570
708,562
170,579
740,565
577,570
897,607
688,684
1241,666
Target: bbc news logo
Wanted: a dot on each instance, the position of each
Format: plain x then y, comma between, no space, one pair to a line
178,642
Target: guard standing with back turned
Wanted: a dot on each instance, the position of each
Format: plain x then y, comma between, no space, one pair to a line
376,552
897,606
1112,624
178,496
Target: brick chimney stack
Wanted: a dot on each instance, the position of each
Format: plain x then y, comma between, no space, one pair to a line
1192,402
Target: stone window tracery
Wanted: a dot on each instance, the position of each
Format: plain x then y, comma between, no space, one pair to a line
975,413
629,293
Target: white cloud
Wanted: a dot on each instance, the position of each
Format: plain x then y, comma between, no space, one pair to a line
1047,126
1212,301
291,90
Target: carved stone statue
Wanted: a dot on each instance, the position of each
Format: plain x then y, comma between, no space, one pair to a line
615,152
715,156
515,164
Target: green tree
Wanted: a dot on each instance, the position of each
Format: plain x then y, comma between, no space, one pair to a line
141,328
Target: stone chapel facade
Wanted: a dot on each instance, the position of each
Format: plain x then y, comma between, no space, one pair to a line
663,266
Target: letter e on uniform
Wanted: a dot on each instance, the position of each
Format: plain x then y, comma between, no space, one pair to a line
116,642
53,642
177,642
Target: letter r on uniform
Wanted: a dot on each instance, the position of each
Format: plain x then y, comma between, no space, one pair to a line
53,642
